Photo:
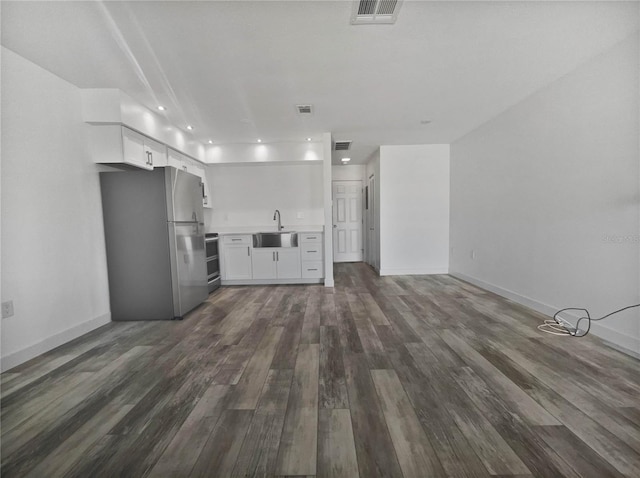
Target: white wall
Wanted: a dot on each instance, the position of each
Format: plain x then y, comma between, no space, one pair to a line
547,195
414,209
53,252
265,152
245,196
351,172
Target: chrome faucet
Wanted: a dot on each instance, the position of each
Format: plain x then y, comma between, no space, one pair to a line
277,213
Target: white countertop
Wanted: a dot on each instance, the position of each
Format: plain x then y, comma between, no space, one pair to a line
254,229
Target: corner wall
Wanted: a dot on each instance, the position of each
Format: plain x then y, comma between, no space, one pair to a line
546,197
414,209
53,252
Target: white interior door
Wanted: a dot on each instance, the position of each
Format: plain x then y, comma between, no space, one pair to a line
347,221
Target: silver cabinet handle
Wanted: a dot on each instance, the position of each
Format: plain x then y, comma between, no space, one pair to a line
312,269
273,256
236,239
151,158
248,253
311,237
277,256
309,252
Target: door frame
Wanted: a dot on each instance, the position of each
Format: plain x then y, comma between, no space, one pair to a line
369,213
333,215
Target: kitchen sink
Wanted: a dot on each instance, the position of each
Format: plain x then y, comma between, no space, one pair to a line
275,239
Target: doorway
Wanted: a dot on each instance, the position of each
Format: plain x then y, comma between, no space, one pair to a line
347,221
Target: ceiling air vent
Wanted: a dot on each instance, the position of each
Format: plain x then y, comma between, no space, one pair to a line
341,145
367,12
303,109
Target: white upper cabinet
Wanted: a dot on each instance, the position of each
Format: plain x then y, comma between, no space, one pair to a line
115,144
133,152
157,152
183,162
119,145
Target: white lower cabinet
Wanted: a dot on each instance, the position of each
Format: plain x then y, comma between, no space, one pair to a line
236,255
276,263
243,264
312,255
288,262
264,264
312,270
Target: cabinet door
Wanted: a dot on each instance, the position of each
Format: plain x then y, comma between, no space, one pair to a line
133,149
264,264
237,262
174,159
198,170
288,263
157,152
187,165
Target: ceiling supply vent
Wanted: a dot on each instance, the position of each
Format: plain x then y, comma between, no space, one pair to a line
341,145
368,12
304,109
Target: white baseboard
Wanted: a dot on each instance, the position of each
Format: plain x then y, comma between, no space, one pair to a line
413,272
624,343
27,353
272,281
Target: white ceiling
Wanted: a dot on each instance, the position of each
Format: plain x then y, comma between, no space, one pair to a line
236,69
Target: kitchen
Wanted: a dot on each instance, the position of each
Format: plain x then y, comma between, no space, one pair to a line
464,161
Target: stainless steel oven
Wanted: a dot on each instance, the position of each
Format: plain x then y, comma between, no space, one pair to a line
213,261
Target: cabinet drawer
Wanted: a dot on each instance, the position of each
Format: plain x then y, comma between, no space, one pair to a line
311,251
312,270
243,239
311,237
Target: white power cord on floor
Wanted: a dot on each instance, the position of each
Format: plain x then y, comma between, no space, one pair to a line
559,326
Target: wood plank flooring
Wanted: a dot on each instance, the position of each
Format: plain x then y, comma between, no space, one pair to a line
414,376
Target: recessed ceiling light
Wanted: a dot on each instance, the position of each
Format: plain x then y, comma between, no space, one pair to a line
189,127
345,160
259,140
210,141
162,108
308,139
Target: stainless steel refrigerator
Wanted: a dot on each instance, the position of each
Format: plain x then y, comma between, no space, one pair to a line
154,233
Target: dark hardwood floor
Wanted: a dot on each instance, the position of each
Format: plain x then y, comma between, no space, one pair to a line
414,376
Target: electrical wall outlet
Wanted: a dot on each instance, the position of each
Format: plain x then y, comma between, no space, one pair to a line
7,309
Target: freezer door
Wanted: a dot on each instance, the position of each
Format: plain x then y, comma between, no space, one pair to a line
184,196
188,266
